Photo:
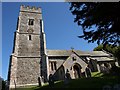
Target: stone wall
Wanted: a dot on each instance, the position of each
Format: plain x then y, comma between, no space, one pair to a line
59,61
69,63
13,69
28,70
24,66
29,47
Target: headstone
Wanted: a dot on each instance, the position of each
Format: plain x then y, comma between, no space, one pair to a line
107,87
51,80
39,81
88,72
42,80
116,87
67,77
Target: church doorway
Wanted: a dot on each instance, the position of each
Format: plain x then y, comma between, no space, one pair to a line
77,71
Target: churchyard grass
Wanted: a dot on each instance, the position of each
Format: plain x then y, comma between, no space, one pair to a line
96,74
96,82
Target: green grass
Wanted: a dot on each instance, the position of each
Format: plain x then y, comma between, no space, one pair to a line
26,88
97,74
94,82
98,80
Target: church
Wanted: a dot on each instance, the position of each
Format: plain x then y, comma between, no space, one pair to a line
30,59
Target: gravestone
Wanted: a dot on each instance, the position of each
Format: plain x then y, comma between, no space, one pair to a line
51,80
67,77
116,87
88,72
107,87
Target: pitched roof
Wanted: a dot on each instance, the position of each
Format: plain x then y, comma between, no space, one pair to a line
80,53
58,52
103,58
97,53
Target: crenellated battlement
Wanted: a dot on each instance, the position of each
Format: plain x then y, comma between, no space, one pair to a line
30,9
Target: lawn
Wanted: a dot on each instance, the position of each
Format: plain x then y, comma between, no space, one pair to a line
97,74
96,82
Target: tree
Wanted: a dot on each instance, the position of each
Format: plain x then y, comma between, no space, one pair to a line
114,50
100,21
2,84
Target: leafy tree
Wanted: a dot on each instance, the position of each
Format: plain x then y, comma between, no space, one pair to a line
115,50
98,48
3,85
100,21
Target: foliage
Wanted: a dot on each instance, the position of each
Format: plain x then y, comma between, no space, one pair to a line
115,50
108,47
3,85
98,48
100,21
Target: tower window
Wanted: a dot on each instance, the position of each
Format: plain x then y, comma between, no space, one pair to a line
31,21
30,37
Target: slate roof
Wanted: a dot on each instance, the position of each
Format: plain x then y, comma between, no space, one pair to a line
97,53
58,52
103,58
80,53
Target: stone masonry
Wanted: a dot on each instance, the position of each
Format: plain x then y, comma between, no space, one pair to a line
24,67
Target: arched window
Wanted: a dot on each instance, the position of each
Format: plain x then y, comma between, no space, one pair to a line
31,22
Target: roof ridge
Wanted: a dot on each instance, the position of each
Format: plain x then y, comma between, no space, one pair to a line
57,50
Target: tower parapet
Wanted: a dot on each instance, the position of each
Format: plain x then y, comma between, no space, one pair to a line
32,9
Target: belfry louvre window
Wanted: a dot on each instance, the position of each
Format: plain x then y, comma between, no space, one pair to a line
31,22
53,65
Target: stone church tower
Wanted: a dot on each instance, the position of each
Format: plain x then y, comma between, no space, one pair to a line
28,60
